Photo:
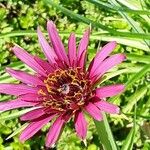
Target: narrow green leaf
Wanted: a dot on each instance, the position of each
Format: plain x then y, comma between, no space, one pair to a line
105,134
125,41
130,21
132,4
17,131
131,81
115,73
135,5
15,114
147,117
95,24
145,110
134,99
138,58
95,36
108,6
18,33
128,143
137,76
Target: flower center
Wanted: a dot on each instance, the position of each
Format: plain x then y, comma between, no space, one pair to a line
66,89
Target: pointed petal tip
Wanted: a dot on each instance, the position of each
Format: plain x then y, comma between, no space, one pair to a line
119,87
15,47
122,87
72,34
21,139
113,42
125,57
72,49
122,56
107,107
50,23
117,110
10,70
88,30
109,91
80,125
7,69
57,42
38,30
50,146
54,132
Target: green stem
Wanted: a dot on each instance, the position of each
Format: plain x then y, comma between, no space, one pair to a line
105,134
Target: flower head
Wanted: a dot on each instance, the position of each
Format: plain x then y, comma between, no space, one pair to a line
62,87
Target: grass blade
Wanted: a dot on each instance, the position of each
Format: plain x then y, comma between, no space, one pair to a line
17,131
134,99
134,5
138,58
128,143
134,78
15,114
137,76
130,21
103,36
105,134
116,8
95,24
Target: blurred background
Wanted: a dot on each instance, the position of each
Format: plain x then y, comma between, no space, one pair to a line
124,21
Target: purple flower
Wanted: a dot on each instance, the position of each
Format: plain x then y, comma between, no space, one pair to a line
62,88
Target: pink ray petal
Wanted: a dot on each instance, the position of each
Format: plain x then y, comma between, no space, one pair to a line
56,42
33,114
16,89
94,111
25,77
106,65
45,65
107,107
82,60
101,55
110,90
82,48
13,104
72,49
54,132
28,59
84,42
34,127
30,97
48,51
80,125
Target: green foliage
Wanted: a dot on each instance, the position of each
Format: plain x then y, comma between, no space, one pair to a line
125,21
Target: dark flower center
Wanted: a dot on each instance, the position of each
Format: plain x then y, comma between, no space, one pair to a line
66,89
